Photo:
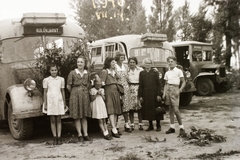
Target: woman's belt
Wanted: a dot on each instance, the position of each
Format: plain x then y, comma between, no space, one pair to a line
175,85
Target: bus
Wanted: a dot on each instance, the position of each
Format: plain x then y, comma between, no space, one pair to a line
197,58
20,40
153,46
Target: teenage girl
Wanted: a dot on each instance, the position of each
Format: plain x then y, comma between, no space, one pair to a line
54,101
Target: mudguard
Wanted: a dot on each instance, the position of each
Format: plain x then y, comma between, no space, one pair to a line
25,106
202,74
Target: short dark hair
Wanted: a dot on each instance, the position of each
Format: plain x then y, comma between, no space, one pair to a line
171,57
49,66
107,62
133,58
118,55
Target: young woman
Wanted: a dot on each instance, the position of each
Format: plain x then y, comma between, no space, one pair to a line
79,103
54,101
108,76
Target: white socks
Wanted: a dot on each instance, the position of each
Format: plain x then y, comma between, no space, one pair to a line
127,125
105,133
173,126
114,130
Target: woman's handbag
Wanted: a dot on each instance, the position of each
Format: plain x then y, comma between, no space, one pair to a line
160,110
120,89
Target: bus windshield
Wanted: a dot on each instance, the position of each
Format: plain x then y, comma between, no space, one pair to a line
155,54
27,48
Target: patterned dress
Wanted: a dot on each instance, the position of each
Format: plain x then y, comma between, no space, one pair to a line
98,106
122,75
55,104
79,102
133,76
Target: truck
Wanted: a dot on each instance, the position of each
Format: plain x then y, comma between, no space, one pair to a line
149,45
197,58
20,40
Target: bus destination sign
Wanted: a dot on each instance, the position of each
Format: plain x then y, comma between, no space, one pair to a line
42,30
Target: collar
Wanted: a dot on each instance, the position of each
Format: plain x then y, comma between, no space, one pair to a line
56,78
172,69
120,68
78,72
111,72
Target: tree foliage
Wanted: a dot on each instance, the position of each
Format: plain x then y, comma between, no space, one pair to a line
161,20
107,18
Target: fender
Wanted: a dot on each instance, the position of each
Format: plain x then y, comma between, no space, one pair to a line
202,74
23,105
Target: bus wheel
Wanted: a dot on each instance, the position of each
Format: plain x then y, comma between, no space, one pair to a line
205,87
20,128
185,98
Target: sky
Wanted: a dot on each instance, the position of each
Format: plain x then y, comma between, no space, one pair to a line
16,8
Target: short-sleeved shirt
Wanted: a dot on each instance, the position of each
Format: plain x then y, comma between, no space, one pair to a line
133,76
173,76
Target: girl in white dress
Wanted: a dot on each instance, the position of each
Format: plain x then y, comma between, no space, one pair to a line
98,106
54,101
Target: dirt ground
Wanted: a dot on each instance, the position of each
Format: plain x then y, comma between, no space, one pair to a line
220,112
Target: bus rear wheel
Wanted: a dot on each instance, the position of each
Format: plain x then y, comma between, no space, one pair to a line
20,128
185,98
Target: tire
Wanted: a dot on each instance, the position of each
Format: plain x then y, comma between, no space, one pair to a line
185,98
222,87
205,87
20,128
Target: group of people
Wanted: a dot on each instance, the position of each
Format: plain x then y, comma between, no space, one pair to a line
119,89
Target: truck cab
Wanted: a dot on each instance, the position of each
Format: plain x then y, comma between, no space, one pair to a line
196,57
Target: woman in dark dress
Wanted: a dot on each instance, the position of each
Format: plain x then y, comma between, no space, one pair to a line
108,76
150,94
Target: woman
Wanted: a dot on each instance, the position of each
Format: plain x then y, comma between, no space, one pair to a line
133,79
121,71
150,94
77,84
109,79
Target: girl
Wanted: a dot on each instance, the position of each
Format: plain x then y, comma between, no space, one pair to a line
79,103
54,101
98,106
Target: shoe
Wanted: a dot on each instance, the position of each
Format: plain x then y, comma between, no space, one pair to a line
115,135
107,137
158,129
80,139
140,128
182,132
55,141
127,129
170,130
59,141
119,132
149,128
132,127
86,138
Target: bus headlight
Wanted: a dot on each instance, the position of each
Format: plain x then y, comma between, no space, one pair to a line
217,72
188,74
29,85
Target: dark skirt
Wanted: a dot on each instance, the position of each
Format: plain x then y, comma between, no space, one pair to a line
112,101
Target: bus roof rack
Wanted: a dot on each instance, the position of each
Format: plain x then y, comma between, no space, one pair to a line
154,37
43,19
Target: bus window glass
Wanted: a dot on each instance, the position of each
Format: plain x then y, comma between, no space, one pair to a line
96,55
156,54
202,55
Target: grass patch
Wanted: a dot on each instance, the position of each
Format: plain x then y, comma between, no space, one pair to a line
130,156
152,139
116,148
216,155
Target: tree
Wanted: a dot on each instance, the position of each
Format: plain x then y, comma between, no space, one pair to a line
226,21
106,18
161,21
183,22
201,26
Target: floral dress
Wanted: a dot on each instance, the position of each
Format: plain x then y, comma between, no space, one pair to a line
122,79
79,102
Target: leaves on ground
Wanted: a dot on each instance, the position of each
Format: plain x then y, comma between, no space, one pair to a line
219,153
152,139
202,137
